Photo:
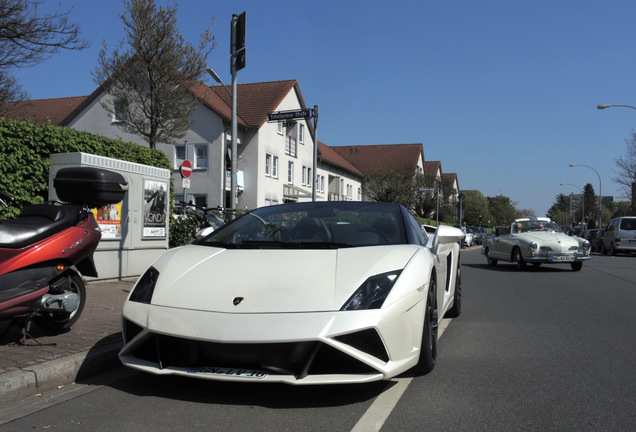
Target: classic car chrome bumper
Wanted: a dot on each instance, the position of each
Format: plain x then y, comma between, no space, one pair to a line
556,258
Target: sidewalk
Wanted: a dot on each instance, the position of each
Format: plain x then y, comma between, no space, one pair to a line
90,347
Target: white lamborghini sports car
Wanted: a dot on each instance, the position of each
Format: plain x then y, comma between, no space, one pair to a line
305,293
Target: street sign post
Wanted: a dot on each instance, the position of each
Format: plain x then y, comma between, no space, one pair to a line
289,115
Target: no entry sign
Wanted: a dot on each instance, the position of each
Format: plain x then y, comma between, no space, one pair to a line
186,168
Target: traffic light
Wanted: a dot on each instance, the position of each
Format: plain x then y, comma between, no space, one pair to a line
239,29
240,60
238,42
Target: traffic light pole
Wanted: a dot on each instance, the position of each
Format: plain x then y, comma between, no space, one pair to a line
233,191
237,49
313,189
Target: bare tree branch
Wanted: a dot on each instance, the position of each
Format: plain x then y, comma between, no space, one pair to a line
27,39
150,79
627,168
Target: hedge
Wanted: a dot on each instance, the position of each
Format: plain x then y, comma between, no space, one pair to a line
25,147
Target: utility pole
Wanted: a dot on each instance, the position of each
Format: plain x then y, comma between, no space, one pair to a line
237,62
313,186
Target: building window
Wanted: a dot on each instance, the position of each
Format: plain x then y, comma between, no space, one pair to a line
309,179
201,156
279,128
304,175
179,155
268,165
320,184
359,194
290,146
121,113
301,133
271,165
290,172
275,167
349,192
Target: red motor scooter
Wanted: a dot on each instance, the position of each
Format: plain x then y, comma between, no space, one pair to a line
47,248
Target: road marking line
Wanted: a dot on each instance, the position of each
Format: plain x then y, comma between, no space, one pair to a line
374,418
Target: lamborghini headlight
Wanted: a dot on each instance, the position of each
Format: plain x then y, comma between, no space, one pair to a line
372,292
142,293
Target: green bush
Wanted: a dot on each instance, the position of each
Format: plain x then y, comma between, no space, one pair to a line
182,229
25,147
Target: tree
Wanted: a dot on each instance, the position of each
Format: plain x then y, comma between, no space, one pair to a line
27,39
560,211
476,208
561,204
502,209
527,213
390,186
149,83
590,202
627,169
426,194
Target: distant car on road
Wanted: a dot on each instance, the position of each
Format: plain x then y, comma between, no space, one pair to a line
535,241
478,234
592,235
597,241
620,235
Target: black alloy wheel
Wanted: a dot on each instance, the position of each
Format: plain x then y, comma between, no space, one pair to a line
428,348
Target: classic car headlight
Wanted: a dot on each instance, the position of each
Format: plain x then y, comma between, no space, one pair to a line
372,292
533,246
585,246
142,293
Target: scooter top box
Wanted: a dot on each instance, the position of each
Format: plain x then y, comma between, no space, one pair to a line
90,186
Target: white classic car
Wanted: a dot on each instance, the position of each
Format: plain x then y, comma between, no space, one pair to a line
535,241
303,293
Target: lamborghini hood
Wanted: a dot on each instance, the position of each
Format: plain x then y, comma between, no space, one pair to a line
269,281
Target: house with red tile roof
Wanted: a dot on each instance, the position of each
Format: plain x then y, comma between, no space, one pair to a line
372,159
275,159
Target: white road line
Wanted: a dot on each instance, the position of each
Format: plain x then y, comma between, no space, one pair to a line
381,408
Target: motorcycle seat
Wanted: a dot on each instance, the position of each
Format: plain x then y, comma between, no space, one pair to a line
37,222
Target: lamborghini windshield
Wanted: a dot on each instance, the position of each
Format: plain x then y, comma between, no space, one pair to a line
313,225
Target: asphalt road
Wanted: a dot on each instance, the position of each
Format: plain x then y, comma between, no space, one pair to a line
541,350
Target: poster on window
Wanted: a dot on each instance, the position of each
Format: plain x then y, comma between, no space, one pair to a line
155,209
108,218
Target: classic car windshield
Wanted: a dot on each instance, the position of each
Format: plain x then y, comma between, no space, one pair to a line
522,226
314,225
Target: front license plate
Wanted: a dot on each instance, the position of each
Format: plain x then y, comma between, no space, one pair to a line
229,372
563,258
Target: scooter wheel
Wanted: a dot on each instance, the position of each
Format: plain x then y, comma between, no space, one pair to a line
56,322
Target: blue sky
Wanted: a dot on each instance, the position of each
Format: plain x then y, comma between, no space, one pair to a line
503,93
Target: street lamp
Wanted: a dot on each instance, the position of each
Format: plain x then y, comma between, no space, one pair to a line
600,193
583,194
216,78
602,107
